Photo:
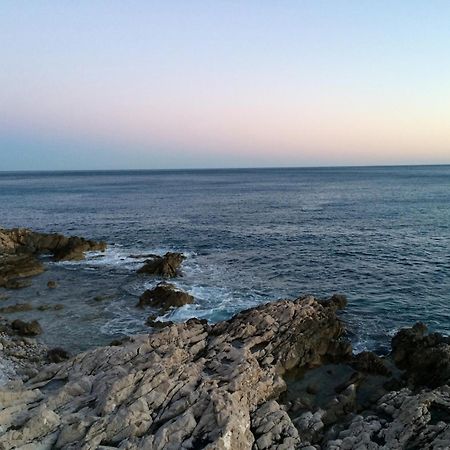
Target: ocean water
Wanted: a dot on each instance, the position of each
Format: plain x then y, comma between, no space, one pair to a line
380,235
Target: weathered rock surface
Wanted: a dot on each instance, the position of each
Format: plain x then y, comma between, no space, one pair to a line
273,377
190,385
401,420
165,296
167,266
20,357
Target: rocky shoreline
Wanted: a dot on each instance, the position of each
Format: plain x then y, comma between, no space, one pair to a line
278,376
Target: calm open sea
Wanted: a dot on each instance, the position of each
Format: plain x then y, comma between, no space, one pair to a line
380,235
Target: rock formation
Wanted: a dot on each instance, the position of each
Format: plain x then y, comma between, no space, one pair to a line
190,385
28,242
19,248
164,296
279,376
167,266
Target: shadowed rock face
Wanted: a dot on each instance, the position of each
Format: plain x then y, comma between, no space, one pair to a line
189,385
425,357
20,246
164,296
167,266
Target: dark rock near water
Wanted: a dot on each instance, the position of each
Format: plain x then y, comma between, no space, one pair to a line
369,362
167,266
164,296
57,355
50,307
424,356
25,241
18,307
19,248
337,301
13,267
17,283
152,321
26,328
51,284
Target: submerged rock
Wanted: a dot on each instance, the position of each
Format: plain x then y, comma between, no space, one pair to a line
18,307
51,284
13,267
165,296
26,328
167,266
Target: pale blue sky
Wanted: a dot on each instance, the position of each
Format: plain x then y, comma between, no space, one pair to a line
109,84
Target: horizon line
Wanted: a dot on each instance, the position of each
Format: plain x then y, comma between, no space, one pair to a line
224,168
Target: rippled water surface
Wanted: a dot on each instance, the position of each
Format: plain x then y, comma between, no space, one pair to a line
379,235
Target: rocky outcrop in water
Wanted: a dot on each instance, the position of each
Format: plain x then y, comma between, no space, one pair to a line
25,241
279,376
167,266
19,248
165,296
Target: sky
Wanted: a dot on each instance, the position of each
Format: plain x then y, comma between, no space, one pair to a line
193,84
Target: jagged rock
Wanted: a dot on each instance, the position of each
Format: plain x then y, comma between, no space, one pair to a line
425,357
26,328
404,420
189,385
18,307
167,266
272,428
164,296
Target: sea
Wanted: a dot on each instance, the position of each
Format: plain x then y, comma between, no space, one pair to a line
379,235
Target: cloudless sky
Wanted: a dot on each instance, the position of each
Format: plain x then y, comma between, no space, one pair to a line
173,84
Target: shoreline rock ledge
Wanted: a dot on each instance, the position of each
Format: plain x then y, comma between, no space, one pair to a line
235,385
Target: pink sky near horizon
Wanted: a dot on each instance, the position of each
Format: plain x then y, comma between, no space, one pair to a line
315,91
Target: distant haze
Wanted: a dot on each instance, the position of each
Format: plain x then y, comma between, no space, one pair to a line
174,84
